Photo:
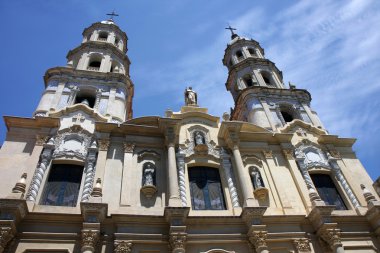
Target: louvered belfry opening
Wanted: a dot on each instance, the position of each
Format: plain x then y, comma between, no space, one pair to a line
62,186
206,189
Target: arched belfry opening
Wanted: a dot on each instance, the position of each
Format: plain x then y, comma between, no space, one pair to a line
86,97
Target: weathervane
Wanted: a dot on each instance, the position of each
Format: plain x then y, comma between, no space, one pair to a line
112,14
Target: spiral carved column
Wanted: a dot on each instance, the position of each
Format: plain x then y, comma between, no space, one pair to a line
181,176
226,164
39,174
89,179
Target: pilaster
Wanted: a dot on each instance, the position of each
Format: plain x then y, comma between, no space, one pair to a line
126,189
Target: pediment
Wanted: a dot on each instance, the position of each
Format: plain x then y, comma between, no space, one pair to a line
301,127
80,108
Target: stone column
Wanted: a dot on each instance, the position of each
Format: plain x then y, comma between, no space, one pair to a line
97,99
226,164
123,247
39,173
73,94
248,198
172,177
103,145
342,180
297,177
90,173
181,175
126,187
310,115
58,94
302,245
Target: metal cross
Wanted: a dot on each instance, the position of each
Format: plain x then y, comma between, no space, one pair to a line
231,29
112,14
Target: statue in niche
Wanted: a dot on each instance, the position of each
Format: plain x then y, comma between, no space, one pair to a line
256,178
190,97
149,174
199,138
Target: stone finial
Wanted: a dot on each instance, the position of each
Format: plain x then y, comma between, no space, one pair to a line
97,190
367,194
168,113
20,185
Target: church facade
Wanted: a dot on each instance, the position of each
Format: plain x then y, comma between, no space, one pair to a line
83,175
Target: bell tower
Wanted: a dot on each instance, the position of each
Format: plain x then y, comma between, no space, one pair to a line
96,75
257,87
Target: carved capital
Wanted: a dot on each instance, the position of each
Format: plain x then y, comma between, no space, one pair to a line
302,245
123,247
177,242
330,234
288,153
170,136
104,144
89,239
268,154
253,215
7,232
258,239
129,147
41,139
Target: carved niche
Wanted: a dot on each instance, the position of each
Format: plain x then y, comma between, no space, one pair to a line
148,159
199,142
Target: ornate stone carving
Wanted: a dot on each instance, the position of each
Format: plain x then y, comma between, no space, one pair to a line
41,139
97,191
90,174
226,164
181,176
302,245
129,147
149,180
148,154
35,185
268,154
6,235
288,153
177,242
258,240
205,146
89,240
103,144
331,235
123,247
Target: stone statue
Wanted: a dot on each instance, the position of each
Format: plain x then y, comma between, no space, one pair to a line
149,174
199,138
257,181
190,96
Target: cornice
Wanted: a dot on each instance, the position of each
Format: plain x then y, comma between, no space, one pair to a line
195,114
63,72
79,107
37,122
99,45
112,27
241,42
290,126
260,91
334,139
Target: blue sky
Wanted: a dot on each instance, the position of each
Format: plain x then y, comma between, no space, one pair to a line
330,47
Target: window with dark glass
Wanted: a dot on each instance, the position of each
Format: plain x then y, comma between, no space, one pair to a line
62,186
206,189
287,116
327,191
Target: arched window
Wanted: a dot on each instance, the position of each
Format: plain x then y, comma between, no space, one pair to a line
62,186
206,189
287,116
117,40
252,51
103,36
328,191
85,97
288,113
267,78
94,63
239,55
248,80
